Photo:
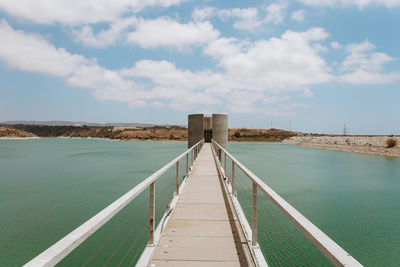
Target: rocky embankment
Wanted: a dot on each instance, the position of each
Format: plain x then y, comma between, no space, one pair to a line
8,132
156,133
374,145
118,133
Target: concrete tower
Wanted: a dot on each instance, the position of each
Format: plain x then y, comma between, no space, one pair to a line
195,129
220,129
214,127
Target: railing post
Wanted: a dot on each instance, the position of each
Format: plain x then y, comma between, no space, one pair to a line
187,164
254,218
233,178
192,157
177,178
225,164
152,213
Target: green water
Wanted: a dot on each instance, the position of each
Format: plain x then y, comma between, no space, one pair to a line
353,198
48,187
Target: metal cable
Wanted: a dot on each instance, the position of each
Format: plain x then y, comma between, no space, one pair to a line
124,240
113,234
265,236
282,230
132,246
285,233
136,254
272,234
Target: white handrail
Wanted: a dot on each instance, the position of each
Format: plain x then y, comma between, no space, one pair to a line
64,246
334,253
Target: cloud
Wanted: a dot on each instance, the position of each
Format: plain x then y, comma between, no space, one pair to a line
336,45
246,18
275,12
298,15
361,47
105,37
30,52
202,14
77,12
289,63
170,33
363,66
253,77
358,3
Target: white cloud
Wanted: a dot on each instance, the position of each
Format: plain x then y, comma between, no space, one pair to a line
276,12
359,3
361,47
365,77
246,18
254,77
75,12
105,37
167,32
201,14
298,15
29,52
289,63
363,66
336,45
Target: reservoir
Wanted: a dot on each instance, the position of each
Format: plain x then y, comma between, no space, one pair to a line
48,187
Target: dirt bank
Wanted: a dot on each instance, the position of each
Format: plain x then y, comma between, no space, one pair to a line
8,132
374,145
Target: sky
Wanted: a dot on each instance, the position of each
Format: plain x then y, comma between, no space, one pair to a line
304,65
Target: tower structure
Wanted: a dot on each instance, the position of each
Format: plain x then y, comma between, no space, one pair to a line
214,127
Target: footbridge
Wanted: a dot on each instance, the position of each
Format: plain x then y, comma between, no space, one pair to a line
204,208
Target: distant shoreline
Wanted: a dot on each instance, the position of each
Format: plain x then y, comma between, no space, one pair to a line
368,145
95,138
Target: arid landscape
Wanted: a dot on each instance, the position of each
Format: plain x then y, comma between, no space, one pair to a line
374,145
156,133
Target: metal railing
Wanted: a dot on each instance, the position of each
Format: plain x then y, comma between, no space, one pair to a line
66,245
332,251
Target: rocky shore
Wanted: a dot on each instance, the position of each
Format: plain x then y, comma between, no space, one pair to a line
153,133
373,145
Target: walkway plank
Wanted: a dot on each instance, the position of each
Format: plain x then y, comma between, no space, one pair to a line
203,229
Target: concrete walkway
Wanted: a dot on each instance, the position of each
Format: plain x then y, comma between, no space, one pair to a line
203,229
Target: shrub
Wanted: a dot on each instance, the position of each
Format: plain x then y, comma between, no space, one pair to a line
236,134
391,142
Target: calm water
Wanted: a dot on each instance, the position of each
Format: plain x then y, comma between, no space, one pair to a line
353,198
48,187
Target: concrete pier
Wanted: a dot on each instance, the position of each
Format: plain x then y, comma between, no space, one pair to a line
203,229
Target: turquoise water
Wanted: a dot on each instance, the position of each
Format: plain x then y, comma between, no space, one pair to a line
48,187
353,198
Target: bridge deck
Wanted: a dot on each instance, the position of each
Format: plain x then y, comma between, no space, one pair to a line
203,229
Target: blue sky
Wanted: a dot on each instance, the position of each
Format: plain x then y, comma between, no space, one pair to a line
317,63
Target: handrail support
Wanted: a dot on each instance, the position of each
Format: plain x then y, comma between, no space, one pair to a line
254,217
152,213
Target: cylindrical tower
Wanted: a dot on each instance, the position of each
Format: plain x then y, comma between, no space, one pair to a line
207,129
195,129
207,123
220,129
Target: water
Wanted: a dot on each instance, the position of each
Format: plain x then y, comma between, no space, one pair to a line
353,198
48,187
